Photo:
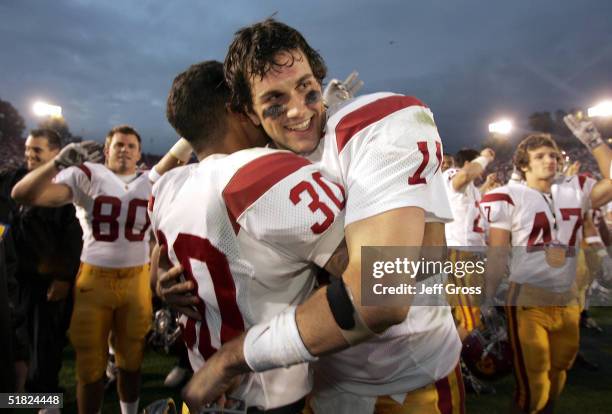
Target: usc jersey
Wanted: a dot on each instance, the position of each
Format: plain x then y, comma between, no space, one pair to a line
113,215
385,149
530,216
247,227
467,227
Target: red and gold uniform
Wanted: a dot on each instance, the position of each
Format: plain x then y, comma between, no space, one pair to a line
465,236
543,312
112,287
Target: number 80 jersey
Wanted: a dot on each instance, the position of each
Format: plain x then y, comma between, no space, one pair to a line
113,215
247,228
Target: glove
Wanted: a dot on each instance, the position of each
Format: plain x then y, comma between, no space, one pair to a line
78,153
584,130
337,92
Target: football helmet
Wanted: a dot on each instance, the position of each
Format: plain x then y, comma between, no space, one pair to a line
486,350
166,329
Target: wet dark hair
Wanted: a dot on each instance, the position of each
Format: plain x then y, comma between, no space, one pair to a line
253,52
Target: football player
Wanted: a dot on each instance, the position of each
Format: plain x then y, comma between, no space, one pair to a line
465,234
112,287
391,175
541,219
246,261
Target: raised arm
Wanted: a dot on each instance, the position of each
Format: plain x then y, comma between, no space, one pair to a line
178,155
472,170
37,187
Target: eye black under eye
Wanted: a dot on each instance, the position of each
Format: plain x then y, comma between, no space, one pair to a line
274,111
312,97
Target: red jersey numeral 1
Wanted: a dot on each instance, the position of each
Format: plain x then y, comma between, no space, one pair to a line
424,150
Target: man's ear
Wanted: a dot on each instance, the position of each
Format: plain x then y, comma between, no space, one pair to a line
254,118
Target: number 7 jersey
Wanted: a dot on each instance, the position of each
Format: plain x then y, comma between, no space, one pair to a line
113,215
247,227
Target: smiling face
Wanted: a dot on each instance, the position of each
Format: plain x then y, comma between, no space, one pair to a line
122,153
287,103
38,152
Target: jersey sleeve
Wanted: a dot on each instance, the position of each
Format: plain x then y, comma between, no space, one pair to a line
392,153
284,200
586,184
498,207
448,176
78,178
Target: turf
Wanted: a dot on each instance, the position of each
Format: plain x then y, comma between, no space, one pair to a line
586,391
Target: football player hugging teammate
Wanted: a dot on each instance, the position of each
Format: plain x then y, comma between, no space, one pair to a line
386,193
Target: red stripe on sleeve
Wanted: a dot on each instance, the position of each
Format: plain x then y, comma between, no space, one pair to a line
85,169
369,114
254,179
581,180
488,198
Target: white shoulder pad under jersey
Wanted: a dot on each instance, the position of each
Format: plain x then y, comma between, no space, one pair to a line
467,227
386,151
113,215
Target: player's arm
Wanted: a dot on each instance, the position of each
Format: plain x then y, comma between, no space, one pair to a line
472,170
498,253
178,155
337,263
37,187
586,132
601,194
313,329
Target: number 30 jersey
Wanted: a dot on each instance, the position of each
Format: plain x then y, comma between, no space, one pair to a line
530,216
247,227
113,215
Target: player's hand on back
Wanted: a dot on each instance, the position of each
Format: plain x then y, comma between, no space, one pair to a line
171,287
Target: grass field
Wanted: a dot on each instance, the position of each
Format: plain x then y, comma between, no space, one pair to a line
586,391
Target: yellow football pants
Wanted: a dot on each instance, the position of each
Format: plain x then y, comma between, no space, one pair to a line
108,299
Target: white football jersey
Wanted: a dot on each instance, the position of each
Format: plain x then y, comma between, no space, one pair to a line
385,149
467,227
113,214
247,228
528,215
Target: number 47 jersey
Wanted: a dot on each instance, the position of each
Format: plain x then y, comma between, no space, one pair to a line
247,228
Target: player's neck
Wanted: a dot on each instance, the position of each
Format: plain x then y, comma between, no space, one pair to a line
542,185
121,171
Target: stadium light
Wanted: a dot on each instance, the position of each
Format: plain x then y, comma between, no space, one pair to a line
44,109
601,109
502,127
